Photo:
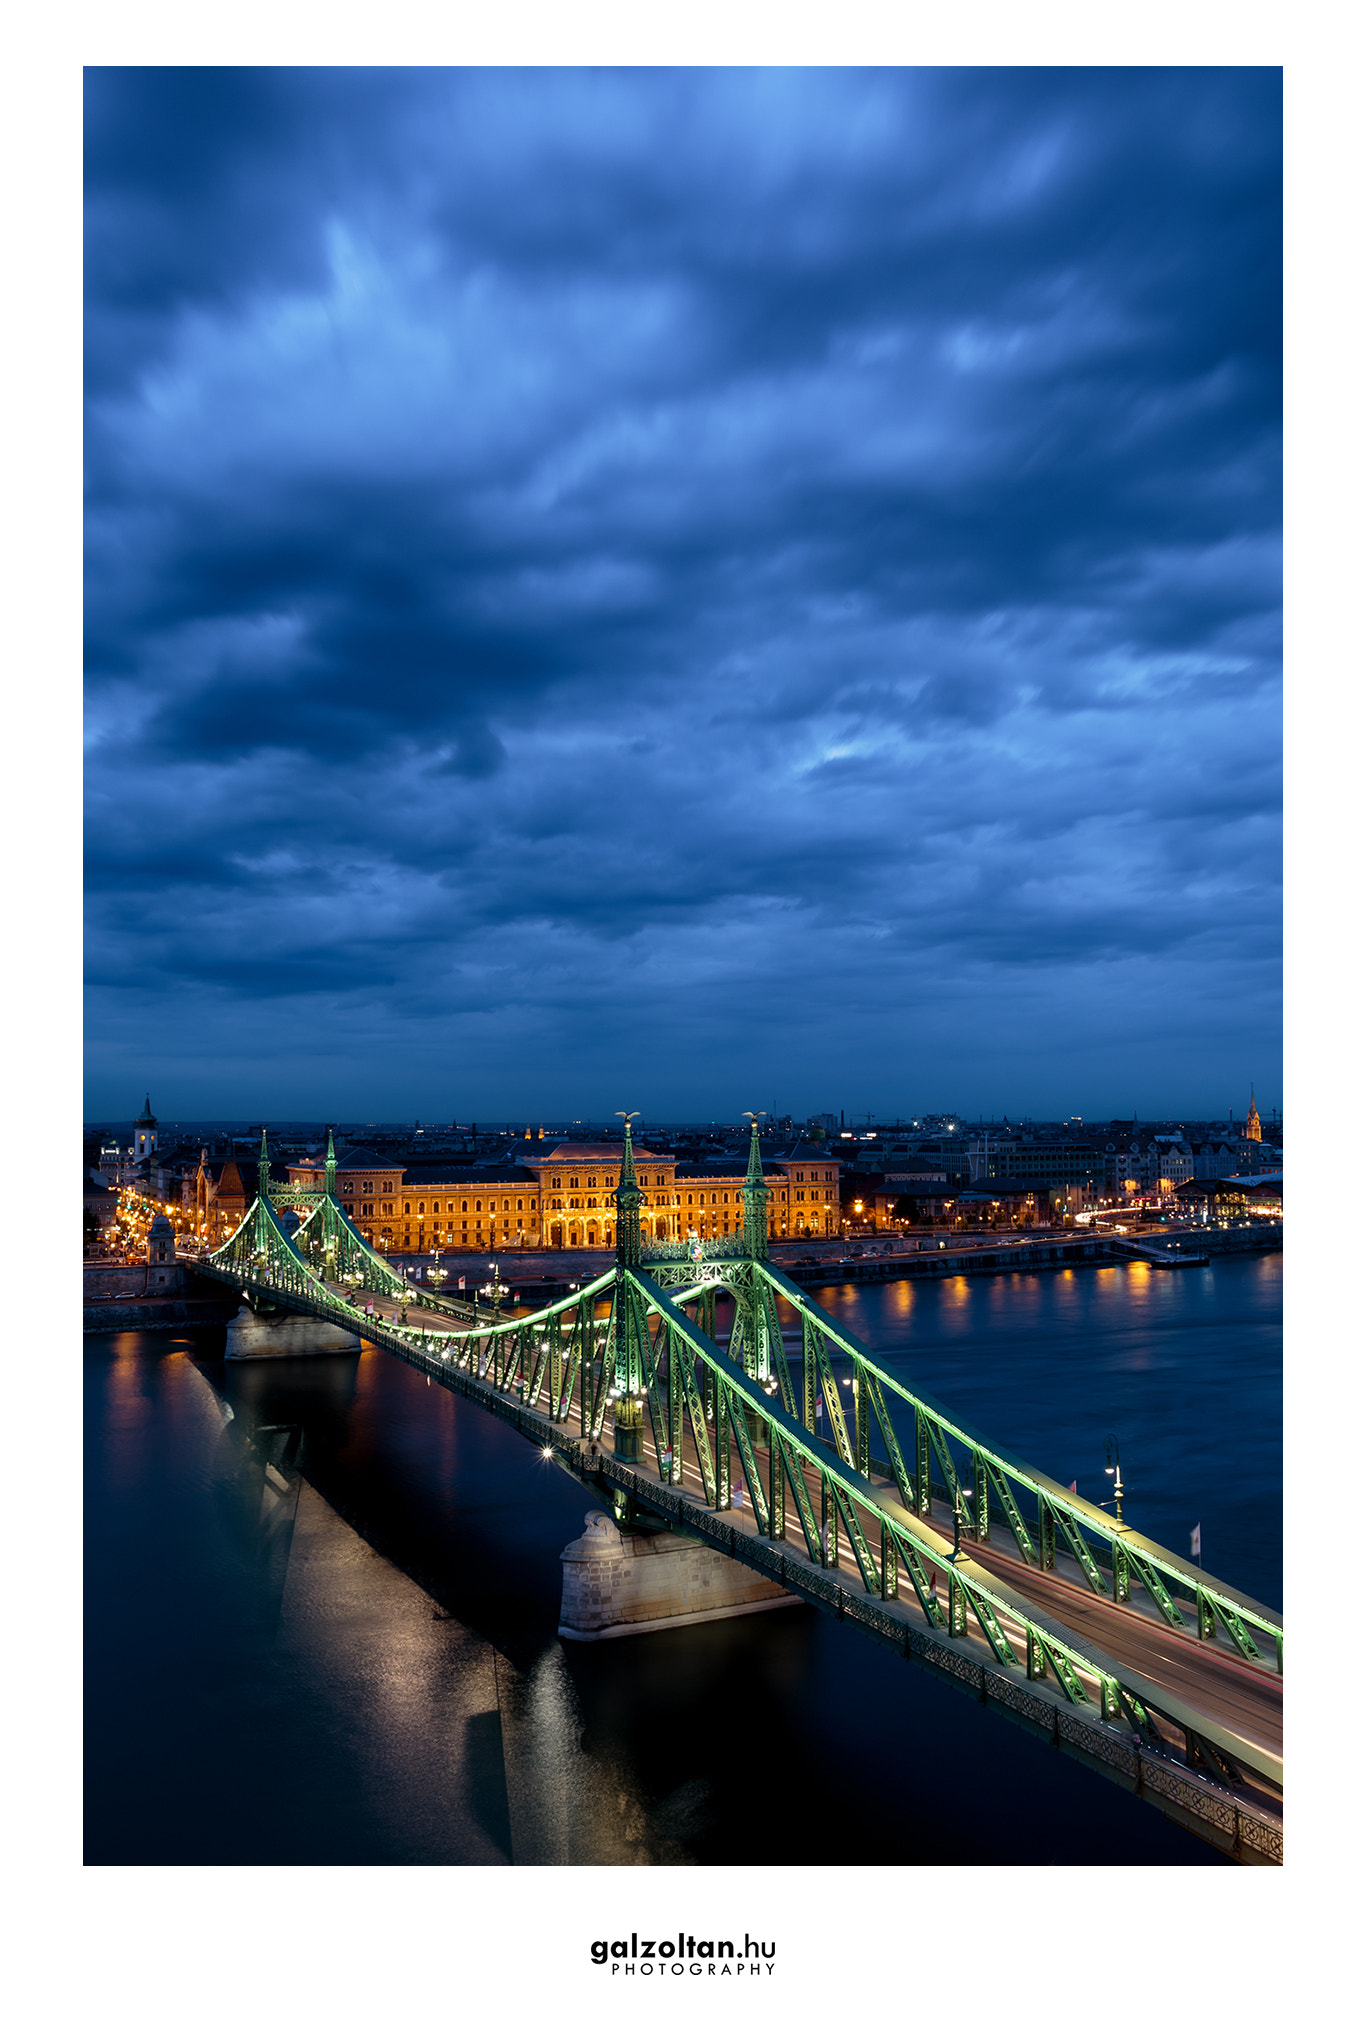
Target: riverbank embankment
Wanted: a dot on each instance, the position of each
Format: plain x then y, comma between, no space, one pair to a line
115,1297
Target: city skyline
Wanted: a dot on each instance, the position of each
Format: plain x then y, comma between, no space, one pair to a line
560,1121
569,613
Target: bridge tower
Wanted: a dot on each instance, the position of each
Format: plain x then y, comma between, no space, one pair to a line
628,1344
328,1222
628,1198
760,1345
755,1195
263,1169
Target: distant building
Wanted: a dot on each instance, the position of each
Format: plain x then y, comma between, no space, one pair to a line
1073,1172
144,1132
1252,1127
163,1274
1150,1164
1239,1198
220,1191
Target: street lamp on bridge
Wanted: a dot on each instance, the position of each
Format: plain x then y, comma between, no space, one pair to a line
1114,1469
962,1491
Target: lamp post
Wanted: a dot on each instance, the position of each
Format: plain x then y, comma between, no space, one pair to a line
1114,1469
962,1491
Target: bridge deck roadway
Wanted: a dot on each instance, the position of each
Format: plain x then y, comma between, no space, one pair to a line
1230,1692
1247,1699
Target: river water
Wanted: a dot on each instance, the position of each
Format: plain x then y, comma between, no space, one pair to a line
322,1598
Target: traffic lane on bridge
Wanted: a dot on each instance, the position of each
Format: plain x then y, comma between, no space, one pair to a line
1222,1690
1231,1692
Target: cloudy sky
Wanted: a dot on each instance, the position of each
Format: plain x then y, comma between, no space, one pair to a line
684,590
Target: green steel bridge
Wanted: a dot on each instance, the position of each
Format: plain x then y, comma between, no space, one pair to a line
936,1540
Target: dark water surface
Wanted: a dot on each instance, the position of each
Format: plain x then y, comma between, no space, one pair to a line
358,1664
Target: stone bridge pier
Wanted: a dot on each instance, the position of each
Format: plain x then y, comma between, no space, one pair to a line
620,1580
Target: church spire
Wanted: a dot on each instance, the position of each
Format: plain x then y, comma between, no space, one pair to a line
144,1131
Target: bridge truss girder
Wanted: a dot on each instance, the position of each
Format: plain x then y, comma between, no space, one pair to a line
1129,1556
579,1366
336,1249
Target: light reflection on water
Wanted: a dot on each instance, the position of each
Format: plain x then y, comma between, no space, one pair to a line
363,1668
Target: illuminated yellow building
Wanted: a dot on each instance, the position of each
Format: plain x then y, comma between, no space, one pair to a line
562,1199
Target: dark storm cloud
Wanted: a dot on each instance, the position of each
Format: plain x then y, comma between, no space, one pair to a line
630,540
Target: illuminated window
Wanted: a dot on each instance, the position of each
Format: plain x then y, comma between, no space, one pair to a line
407,1208
592,1179
421,1208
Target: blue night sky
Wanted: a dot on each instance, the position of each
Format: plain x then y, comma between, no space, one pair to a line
683,589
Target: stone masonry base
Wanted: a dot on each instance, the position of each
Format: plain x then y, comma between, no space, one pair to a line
617,1583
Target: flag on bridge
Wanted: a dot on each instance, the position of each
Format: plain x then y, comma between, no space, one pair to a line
462,1282
1072,1486
1196,1547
